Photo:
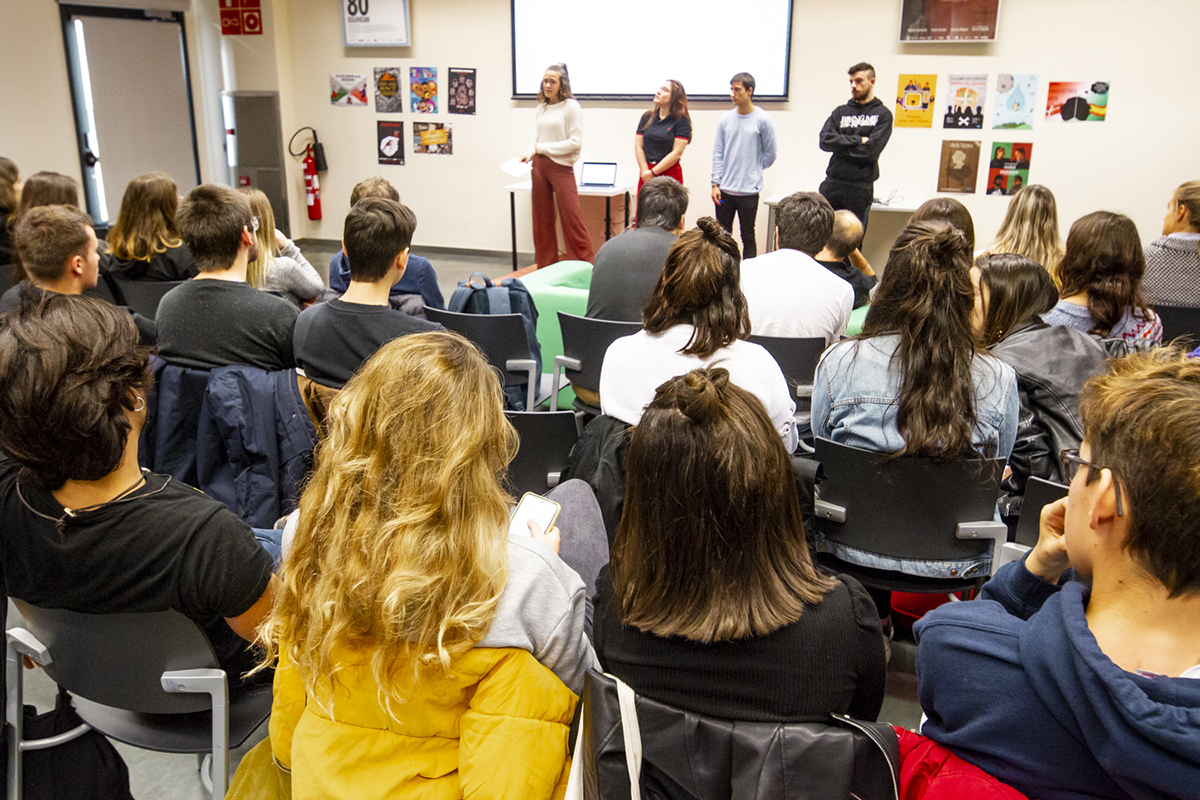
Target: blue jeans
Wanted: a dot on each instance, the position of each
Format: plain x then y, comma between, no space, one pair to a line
272,542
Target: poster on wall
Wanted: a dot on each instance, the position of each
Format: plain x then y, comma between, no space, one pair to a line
375,23
461,97
389,136
959,168
916,96
1082,101
949,20
1016,95
966,94
348,89
388,97
433,137
423,89
1009,168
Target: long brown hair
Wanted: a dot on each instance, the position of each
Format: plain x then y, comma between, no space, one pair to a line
146,223
711,543
926,297
700,285
1030,228
9,177
1018,289
1104,259
678,107
41,189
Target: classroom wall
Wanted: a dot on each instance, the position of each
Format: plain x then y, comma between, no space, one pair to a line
1129,163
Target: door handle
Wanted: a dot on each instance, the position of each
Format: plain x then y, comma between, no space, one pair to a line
89,158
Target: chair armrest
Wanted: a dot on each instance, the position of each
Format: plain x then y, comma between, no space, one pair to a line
198,681
1010,552
553,478
564,363
527,365
24,643
804,390
996,531
829,511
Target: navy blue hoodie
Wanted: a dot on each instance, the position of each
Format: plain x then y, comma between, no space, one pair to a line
1016,684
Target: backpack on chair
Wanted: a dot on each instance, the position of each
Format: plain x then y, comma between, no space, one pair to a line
510,297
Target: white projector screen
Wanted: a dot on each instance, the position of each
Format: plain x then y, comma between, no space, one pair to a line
625,49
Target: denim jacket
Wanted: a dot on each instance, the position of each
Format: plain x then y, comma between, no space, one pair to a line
854,402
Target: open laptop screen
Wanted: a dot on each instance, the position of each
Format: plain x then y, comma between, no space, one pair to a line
597,173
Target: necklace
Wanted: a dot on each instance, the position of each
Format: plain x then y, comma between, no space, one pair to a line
60,523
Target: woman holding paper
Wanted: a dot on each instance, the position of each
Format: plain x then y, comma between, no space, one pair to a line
555,150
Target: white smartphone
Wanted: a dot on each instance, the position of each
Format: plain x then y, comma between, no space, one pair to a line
540,510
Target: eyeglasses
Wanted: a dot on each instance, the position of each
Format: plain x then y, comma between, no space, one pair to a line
1071,462
254,224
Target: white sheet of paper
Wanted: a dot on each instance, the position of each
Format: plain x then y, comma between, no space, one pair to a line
517,168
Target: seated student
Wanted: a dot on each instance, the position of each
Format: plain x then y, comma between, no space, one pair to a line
217,319
1173,259
280,267
85,529
144,243
1030,229
423,652
1100,280
419,278
1085,685
627,266
787,291
333,339
842,257
711,603
10,193
696,318
947,209
40,189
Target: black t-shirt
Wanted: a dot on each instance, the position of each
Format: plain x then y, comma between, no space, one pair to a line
333,339
829,660
166,546
659,139
205,324
174,264
11,301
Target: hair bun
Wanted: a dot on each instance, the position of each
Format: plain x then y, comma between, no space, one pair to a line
710,228
948,240
699,393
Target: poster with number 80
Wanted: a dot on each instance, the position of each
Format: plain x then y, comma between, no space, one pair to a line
375,23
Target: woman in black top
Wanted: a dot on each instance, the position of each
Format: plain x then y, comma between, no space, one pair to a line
711,603
663,133
144,244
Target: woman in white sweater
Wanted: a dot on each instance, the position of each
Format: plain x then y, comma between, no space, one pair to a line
553,155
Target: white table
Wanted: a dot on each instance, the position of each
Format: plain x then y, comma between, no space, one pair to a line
607,192
775,199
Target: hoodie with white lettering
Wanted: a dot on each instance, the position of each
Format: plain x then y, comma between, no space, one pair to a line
855,161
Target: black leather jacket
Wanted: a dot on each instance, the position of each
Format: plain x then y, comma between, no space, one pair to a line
1052,364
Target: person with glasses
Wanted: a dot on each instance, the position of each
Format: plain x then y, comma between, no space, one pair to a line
217,319
1077,672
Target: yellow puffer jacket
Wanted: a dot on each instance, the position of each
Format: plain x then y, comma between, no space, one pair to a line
495,728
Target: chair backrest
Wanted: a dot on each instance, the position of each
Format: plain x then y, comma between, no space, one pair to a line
1038,494
144,296
546,440
118,659
587,340
1179,321
797,358
906,507
103,290
501,337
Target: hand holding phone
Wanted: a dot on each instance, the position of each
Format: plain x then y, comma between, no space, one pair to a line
534,508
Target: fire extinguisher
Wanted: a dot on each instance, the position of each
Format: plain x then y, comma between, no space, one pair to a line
312,185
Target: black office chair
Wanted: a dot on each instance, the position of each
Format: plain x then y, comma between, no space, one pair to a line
150,680
1038,494
908,508
501,337
1179,321
142,296
797,358
103,289
546,440
585,341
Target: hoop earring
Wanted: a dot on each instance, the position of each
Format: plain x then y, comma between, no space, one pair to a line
141,407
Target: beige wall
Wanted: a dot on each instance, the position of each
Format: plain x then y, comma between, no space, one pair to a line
1129,163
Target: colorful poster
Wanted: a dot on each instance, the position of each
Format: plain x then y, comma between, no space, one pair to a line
959,170
347,89
1008,169
389,136
433,137
422,83
967,94
1078,100
949,20
1016,97
915,101
461,99
388,98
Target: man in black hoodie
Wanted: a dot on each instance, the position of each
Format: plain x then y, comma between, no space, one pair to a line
855,134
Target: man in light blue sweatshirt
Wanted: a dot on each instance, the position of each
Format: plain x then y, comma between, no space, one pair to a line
744,147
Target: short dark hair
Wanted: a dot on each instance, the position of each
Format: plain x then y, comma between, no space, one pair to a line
211,220
662,203
861,66
376,186
745,79
700,285
1104,258
68,367
847,233
1018,287
947,209
1140,421
805,222
376,231
47,236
